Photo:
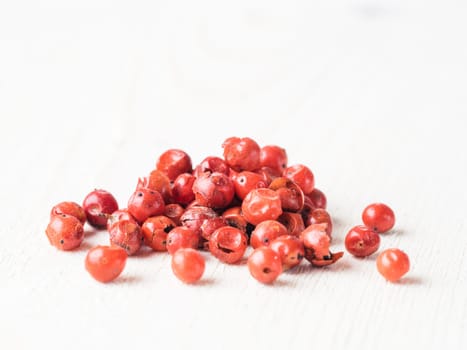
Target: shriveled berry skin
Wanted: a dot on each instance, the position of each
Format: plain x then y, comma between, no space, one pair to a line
241,153
144,203
291,195
361,241
157,181
261,204
155,230
194,217
228,244
181,237
320,216
316,243
127,235
174,212
69,208
274,157
379,217
234,217
215,190
393,264
105,263
211,164
174,162
245,181
293,223
182,189
98,205
266,232
118,215
188,265
65,232
291,250
265,265
302,175
268,174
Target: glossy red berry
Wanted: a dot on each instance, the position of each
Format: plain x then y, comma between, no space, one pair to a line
318,199
174,162
245,181
378,217
69,208
214,190
155,230
157,181
126,234
393,264
361,241
181,237
188,265
105,263
302,175
144,203
182,189
274,157
261,204
65,232
98,205
265,265
118,215
228,244
268,174
266,232
241,153
290,249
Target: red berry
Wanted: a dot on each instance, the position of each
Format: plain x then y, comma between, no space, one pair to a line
265,265
144,203
292,197
318,199
361,241
273,157
105,263
181,237
65,232
211,165
245,181
118,215
155,230
214,190
290,249
157,181
188,265
241,153
234,217
126,234
174,212
69,208
228,244
182,190
392,264
98,205
174,162
302,175
293,222
320,216
378,217
194,217
266,232
316,243
261,204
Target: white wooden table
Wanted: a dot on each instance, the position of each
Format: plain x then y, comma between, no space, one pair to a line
372,95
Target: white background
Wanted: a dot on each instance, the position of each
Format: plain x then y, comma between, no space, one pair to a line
370,94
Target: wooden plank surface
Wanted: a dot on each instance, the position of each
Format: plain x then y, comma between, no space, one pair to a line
372,95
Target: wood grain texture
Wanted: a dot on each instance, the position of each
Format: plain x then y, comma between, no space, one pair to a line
371,95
